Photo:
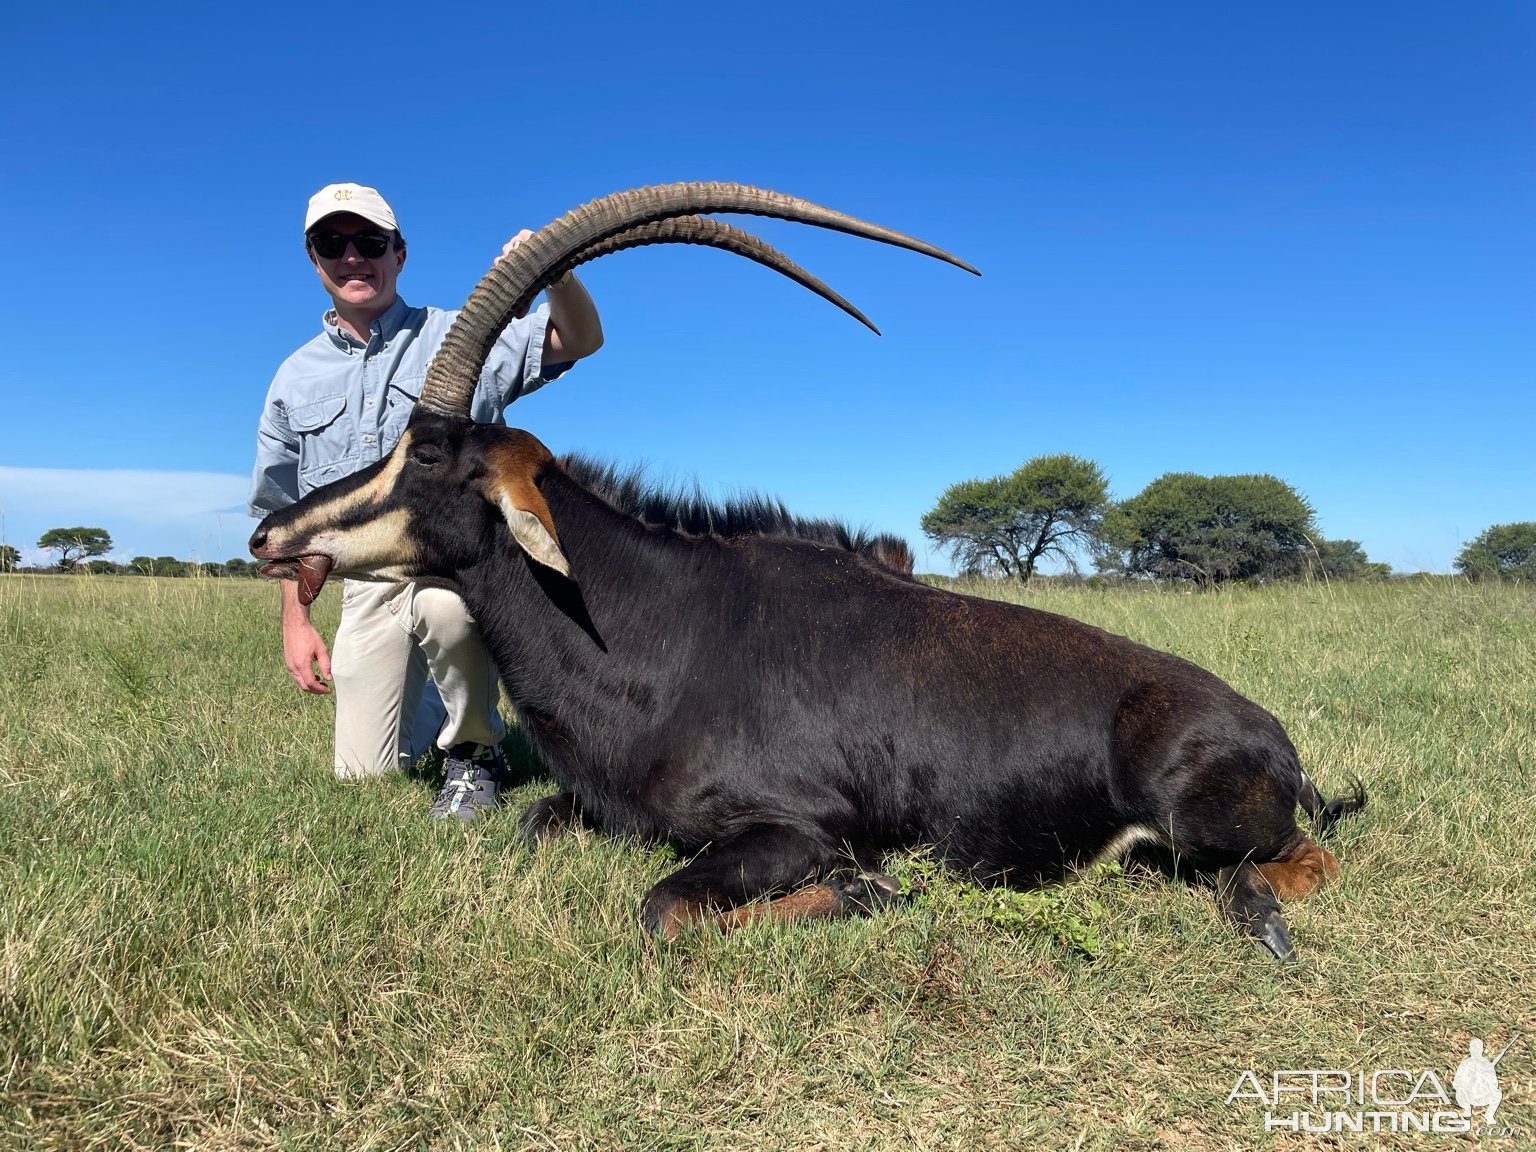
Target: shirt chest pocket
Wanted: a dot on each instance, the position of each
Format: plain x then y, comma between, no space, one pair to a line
326,445
399,400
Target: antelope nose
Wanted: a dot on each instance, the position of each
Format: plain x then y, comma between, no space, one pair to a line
258,538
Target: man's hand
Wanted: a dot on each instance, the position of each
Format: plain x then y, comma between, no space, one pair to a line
574,328
506,249
303,648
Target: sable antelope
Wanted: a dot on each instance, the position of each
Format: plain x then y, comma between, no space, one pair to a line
782,700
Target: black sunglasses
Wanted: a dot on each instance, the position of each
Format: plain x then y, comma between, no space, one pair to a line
330,245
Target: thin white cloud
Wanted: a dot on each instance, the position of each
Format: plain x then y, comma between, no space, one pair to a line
189,515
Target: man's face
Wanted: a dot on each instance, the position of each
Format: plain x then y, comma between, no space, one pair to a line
353,281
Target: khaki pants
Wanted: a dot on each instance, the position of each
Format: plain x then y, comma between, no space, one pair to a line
390,639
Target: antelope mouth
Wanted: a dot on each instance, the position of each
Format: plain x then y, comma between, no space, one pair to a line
310,571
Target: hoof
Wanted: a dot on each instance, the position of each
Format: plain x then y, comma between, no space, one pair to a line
547,819
1248,902
867,893
664,917
1270,931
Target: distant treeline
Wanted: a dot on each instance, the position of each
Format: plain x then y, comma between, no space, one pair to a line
82,549
1182,528
148,566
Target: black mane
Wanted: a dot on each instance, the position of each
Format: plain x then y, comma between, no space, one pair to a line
691,512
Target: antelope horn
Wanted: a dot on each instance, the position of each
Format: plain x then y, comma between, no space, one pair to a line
581,235
710,233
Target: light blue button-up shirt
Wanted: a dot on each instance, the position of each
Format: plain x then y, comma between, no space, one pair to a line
337,405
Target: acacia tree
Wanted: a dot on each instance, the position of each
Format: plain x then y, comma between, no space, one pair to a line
10,558
75,544
1346,560
1209,530
1502,552
1008,524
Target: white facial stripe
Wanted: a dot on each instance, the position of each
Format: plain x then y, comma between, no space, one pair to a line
380,542
386,538
384,483
317,519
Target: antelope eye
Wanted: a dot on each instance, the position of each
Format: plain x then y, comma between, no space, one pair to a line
426,455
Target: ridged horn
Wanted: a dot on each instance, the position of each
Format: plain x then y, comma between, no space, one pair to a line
585,233
709,233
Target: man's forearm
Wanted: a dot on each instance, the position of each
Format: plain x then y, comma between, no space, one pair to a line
573,315
294,613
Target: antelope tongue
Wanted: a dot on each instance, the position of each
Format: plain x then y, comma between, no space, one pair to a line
312,573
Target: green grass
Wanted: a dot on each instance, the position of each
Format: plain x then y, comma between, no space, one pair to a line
208,942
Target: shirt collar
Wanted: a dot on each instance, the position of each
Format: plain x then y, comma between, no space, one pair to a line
387,325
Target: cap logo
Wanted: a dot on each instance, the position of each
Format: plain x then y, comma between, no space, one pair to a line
343,193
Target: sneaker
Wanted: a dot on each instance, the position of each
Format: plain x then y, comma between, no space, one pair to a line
476,776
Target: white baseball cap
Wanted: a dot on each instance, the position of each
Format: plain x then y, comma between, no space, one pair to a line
358,199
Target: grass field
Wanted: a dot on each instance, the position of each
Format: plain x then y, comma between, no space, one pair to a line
208,942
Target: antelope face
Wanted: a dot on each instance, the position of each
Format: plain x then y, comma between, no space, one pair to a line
430,509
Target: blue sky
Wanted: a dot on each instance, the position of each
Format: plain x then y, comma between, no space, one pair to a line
1294,239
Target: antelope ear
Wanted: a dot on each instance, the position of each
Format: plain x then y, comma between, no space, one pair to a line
533,534
514,459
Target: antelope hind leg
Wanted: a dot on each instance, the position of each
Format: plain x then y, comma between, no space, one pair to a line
724,884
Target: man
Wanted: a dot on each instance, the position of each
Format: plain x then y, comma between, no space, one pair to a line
339,404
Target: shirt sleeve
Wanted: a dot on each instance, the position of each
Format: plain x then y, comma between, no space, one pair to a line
516,365
275,477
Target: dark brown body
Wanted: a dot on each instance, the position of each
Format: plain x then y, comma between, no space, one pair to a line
790,709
